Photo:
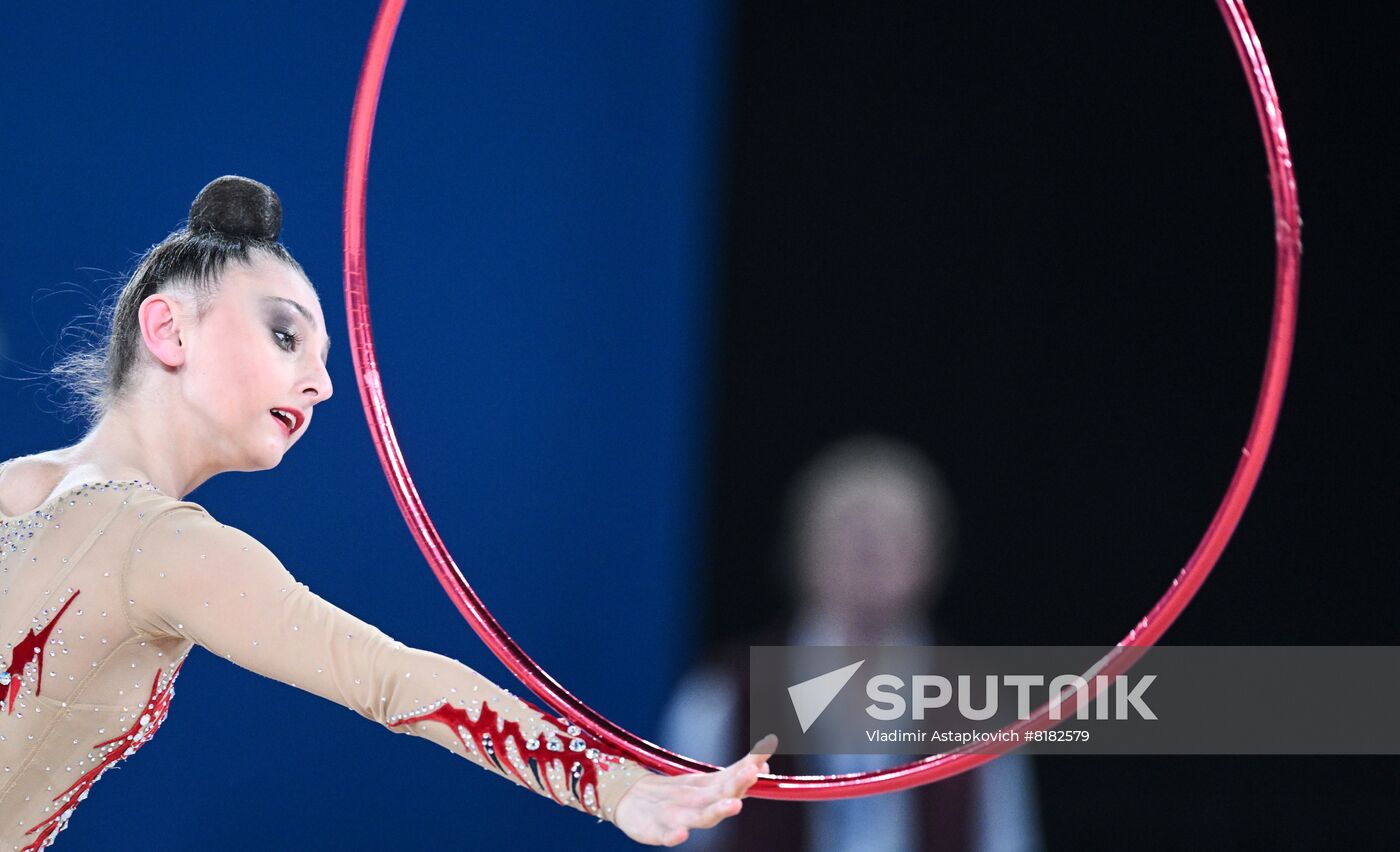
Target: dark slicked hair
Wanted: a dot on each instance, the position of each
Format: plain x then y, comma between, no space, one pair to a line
232,219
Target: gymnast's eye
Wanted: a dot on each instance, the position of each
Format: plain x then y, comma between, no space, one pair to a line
286,339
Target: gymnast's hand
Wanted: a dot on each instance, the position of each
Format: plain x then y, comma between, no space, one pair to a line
660,810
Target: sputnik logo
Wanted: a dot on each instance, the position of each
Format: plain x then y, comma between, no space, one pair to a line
811,697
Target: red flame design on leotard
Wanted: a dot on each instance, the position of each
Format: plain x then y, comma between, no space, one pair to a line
488,735
125,745
31,650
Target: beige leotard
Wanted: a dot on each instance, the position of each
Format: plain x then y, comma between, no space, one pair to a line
106,588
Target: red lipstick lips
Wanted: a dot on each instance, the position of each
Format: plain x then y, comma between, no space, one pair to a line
290,418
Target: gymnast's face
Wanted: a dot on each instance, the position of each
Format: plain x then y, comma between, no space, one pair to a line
256,364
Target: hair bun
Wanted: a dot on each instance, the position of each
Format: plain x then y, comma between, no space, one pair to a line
237,207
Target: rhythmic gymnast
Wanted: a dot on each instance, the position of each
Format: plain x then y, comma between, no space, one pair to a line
215,362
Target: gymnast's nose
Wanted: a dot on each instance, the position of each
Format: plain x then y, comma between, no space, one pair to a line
318,385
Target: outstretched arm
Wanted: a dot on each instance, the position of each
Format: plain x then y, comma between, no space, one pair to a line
192,577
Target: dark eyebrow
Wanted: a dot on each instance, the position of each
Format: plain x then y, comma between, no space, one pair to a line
310,320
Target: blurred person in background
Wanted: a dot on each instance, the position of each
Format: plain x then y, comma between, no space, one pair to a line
868,546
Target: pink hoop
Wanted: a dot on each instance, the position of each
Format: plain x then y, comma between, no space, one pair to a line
1144,635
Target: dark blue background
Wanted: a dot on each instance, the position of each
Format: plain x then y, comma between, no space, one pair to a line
539,244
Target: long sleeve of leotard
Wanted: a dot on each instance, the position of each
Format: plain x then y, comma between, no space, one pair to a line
190,576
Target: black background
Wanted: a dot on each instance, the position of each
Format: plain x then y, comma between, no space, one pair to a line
1036,240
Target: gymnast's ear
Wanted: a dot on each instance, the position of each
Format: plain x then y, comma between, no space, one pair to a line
161,316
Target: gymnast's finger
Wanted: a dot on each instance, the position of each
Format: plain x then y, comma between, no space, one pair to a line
765,747
736,780
716,812
739,776
758,755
